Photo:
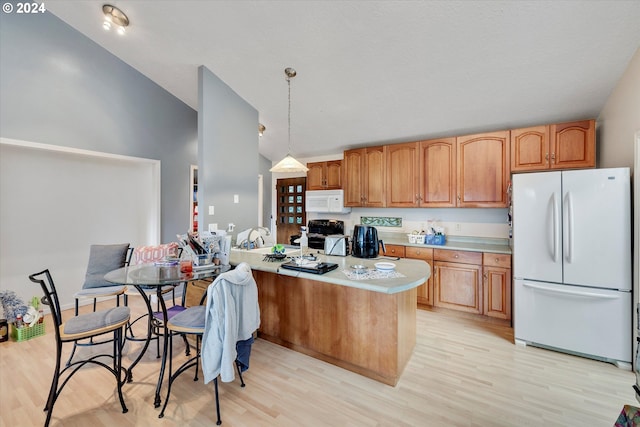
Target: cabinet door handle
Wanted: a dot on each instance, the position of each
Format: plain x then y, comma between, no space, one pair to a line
456,256
497,260
553,157
546,157
458,197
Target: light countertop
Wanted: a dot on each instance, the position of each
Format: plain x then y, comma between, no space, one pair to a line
457,243
415,272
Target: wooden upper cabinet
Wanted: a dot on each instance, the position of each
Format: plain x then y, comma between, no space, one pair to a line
315,176
438,167
403,175
334,174
324,175
530,148
375,171
353,165
573,145
483,170
559,146
363,177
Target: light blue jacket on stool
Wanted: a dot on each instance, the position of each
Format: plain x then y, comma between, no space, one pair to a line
232,315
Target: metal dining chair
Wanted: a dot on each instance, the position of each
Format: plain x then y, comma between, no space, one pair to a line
223,329
146,255
102,259
95,324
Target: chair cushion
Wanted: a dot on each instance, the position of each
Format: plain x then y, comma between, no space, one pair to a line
96,320
102,291
192,317
148,254
171,312
103,259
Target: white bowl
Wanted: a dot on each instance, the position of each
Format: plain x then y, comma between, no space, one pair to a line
385,266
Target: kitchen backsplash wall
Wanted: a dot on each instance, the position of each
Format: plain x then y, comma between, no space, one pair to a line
488,223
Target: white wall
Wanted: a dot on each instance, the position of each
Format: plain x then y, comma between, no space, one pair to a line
619,120
57,201
618,126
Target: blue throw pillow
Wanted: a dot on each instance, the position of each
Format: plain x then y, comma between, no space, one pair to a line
103,259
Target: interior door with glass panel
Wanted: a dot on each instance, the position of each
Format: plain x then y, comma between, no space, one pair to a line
290,207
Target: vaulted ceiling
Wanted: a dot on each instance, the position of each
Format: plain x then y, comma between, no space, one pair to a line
374,72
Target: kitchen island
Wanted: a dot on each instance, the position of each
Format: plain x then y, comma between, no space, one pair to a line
367,326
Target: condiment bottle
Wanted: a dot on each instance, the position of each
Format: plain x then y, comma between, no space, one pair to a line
19,323
304,241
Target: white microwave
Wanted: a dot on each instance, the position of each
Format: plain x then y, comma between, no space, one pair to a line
325,201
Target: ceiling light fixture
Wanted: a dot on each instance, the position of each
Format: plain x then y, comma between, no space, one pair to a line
289,164
261,129
114,16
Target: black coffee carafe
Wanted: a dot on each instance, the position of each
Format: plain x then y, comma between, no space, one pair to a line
365,242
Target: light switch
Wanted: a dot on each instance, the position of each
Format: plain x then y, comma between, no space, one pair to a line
236,198
210,210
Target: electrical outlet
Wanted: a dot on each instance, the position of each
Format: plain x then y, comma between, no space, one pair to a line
211,210
458,227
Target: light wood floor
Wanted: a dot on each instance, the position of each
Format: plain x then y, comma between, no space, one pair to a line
463,373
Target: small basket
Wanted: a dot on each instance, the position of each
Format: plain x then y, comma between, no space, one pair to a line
435,239
27,332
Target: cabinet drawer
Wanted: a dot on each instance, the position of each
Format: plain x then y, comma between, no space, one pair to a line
418,253
496,260
395,250
457,256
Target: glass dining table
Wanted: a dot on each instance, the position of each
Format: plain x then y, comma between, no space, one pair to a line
158,276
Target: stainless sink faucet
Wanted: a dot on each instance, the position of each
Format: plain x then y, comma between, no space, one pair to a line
254,242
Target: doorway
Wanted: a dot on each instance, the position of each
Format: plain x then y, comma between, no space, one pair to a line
290,207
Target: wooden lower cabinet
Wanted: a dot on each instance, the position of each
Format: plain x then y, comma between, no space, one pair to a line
473,282
497,285
425,291
370,333
457,280
395,250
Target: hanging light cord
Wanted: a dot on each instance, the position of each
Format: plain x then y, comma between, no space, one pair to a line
289,117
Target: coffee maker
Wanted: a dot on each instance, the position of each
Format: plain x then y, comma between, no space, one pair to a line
365,242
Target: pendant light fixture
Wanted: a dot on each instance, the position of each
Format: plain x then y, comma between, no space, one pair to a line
289,164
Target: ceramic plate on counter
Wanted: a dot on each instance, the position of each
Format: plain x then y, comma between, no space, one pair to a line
385,266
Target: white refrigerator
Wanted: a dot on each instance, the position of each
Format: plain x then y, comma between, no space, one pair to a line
572,262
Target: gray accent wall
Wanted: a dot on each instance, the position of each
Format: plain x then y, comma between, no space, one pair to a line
227,155
267,187
59,87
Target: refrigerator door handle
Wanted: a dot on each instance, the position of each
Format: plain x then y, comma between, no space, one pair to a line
569,292
568,228
555,227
